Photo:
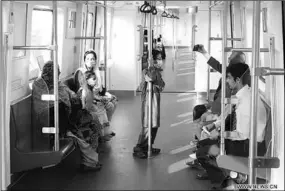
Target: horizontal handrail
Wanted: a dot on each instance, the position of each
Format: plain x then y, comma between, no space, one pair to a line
266,71
234,39
88,37
47,47
230,49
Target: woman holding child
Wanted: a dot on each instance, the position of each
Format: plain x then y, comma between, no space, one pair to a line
93,95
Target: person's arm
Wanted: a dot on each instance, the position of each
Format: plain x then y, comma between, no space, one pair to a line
210,60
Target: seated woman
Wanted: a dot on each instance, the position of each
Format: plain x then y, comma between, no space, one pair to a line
80,124
90,64
93,102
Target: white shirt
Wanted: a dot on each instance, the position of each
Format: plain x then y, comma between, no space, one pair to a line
243,115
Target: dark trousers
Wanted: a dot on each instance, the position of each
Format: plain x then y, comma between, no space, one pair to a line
236,148
143,139
206,142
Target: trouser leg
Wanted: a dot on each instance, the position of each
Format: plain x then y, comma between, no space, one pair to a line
143,138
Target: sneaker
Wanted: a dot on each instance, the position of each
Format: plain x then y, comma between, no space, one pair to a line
238,177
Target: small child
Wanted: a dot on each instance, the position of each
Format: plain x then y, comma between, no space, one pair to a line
89,102
200,117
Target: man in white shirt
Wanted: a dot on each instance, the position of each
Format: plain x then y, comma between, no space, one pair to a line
237,140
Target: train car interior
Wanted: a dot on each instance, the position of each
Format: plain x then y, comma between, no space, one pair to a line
142,95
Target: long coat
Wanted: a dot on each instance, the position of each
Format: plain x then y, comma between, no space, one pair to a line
157,87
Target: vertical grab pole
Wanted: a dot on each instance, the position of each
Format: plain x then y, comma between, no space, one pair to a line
105,44
173,36
193,41
224,36
254,91
272,93
86,24
209,50
55,75
150,86
2,117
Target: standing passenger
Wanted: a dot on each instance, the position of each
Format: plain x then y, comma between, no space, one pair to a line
153,74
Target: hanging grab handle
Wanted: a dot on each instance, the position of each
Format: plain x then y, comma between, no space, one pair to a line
146,8
153,10
164,14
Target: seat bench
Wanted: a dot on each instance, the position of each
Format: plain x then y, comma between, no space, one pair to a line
23,155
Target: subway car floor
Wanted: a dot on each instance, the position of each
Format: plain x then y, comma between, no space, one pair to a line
179,73
122,171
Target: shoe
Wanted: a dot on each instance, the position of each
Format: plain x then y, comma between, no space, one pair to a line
195,165
113,134
104,139
85,168
238,177
141,155
155,151
202,176
138,149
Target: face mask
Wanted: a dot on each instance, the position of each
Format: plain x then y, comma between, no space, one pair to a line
159,63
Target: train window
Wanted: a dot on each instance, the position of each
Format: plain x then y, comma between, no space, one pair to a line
41,34
20,30
72,19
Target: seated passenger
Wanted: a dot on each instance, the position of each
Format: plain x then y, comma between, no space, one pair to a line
237,140
152,74
81,126
91,64
93,102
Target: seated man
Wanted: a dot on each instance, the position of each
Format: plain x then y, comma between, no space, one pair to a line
237,140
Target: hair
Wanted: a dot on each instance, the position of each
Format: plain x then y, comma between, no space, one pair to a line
90,52
238,58
198,111
159,39
239,70
89,74
47,74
